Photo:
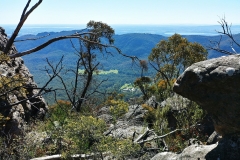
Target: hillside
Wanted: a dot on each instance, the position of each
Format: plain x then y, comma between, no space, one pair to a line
134,44
137,44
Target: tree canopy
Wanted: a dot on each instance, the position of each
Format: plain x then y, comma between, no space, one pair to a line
172,56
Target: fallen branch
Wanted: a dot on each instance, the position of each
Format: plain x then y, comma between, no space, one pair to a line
159,137
141,136
75,156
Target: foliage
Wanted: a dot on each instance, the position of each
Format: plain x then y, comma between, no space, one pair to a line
143,83
161,123
100,30
117,107
10,82
82,86
150,116
171,57
119,149
70,133
162,88
187,117
176,52
3,57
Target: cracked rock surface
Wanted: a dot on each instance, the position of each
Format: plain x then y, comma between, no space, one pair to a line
215,85
22,112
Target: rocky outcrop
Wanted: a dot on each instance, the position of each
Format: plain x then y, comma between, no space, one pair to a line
193,152
215,85
23,111
227,148
131,126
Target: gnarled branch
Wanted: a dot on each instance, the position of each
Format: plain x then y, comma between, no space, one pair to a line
20,24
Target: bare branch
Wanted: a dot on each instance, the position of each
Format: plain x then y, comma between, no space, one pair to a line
226,30
51,41
162,73
43,90
42,46
216,47
20,24
158,137
25,9
96,88
221,51
56,72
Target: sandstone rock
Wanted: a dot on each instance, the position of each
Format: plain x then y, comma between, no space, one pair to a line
193,152
107,118
129,125
213,138
226,149
135,115
215,85
138,134
176,102
122,130
152,102
165,156
21,113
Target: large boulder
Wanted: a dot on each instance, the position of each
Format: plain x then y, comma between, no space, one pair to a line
227,148
24,110
215,85
193,152
131,126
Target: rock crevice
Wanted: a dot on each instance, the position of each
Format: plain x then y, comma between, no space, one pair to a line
22,112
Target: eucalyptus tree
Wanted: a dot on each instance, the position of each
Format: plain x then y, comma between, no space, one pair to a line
90,40
171,57
87,62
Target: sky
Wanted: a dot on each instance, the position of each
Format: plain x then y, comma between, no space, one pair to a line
144,12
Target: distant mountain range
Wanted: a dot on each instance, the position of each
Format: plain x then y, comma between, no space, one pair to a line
137,44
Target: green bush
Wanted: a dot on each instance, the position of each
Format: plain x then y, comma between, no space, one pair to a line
117,108
71,133
187,115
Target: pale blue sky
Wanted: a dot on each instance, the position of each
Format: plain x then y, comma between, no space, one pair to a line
161,12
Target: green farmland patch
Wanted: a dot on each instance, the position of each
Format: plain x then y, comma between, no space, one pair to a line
112,71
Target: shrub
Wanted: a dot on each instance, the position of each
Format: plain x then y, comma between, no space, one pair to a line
150,116
117,108
186,113
69,133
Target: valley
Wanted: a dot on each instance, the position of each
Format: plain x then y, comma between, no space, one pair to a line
123,70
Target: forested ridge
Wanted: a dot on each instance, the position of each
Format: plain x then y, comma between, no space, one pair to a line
134,44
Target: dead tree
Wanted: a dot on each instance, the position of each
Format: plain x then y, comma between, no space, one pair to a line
226,31
95,30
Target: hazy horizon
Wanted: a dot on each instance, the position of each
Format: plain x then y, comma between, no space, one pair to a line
165,30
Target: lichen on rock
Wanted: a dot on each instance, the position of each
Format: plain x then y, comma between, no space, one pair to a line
217,91
13,73
218,94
